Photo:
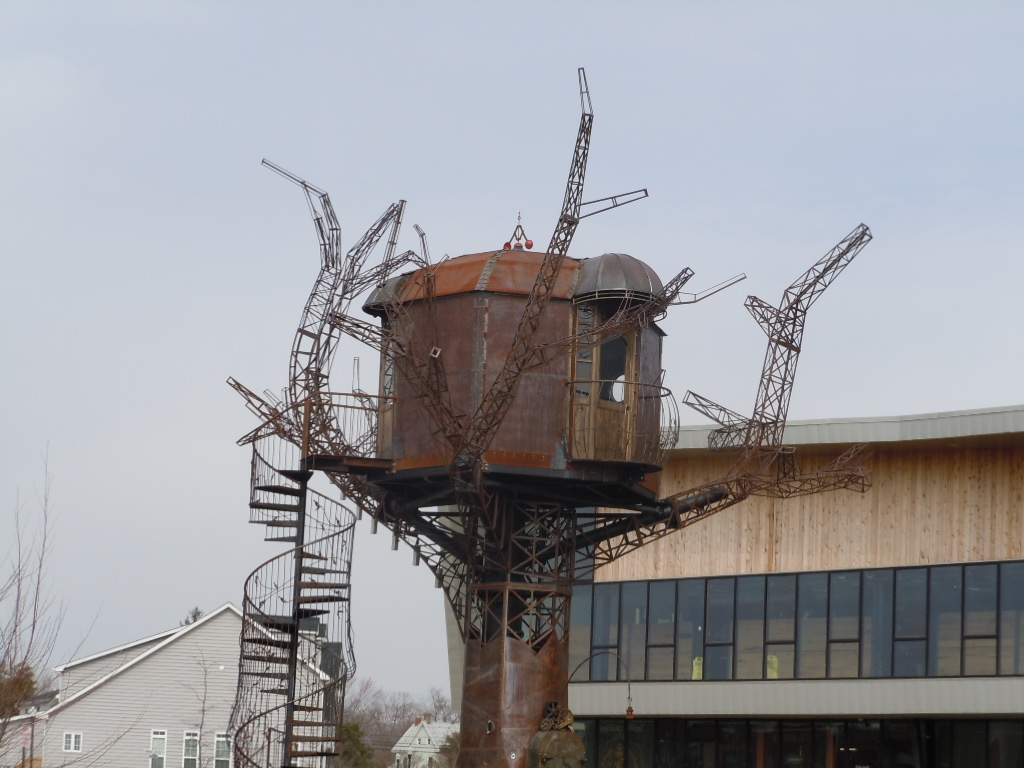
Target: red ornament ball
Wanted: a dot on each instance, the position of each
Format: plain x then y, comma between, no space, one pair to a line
529,243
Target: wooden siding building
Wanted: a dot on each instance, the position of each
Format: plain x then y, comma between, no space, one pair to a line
835,630
158,702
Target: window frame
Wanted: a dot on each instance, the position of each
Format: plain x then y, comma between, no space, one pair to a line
218,760
188,736
73,741
155,734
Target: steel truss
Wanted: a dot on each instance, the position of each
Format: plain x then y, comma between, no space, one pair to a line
506,556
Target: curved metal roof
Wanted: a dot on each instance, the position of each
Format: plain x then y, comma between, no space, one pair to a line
510,272
616,275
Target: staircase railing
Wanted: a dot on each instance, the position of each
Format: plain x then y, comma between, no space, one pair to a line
296,650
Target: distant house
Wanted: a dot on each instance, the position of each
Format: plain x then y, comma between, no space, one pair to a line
161,701
420,746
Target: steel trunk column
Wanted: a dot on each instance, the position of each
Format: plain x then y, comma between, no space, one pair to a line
517,635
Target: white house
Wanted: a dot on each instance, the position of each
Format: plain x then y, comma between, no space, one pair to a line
158,702
420,746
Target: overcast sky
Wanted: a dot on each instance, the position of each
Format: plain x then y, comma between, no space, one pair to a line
147,256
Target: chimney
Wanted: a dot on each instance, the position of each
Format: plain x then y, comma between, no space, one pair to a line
419,720
428,718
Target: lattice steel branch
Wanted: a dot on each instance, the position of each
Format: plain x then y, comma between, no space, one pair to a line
765,467
523,354
785,329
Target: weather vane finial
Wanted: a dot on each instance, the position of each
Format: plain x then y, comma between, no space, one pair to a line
519,238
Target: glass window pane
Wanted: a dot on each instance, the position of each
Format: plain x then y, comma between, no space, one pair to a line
812,602
1011,618
670,743
900,744
969,742
940,734
661,627
877,624
606,632
908,659
862,743
223,746
690,629
586,729
606,615
718,662
911,602
579,632
944,621
660,662
750,627
980,600
781,610
827,738
843,659
611,743
778,662
764,743
797,743
612,366
633,630
640,738
720,610
1006,744
979,656
700,744
844,606
732,744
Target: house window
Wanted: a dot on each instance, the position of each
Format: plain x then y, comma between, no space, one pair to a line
222,756
190,750
72,742
157,748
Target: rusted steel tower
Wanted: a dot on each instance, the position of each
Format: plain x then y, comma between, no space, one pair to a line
516,437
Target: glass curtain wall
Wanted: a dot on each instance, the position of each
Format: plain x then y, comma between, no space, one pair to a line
912,743
939,621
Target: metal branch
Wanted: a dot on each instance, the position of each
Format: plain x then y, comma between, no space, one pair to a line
614,201
498,398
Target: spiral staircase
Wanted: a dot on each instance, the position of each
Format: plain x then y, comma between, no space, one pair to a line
296,650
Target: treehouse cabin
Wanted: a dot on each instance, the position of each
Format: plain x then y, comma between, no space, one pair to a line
588,410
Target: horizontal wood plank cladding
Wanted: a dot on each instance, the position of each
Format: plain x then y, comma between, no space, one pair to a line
924,507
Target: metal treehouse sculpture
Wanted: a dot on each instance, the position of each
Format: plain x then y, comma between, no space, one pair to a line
514,444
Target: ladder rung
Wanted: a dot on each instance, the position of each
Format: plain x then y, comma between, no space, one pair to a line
285,490
273,642
270,675
323,585
307,599
275,506
265,657
315,570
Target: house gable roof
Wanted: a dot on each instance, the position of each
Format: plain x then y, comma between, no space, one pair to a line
165,639
433,735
